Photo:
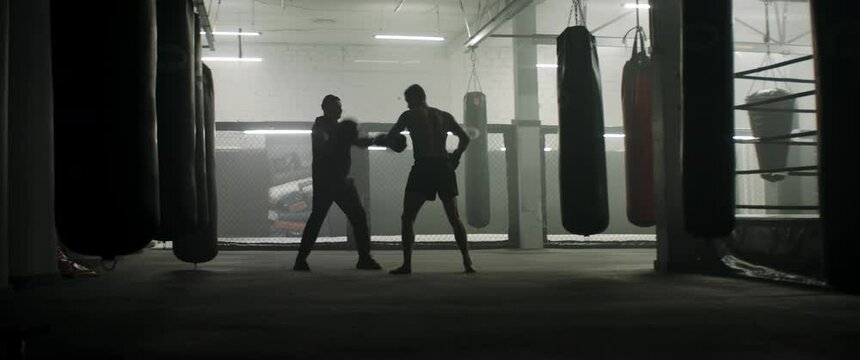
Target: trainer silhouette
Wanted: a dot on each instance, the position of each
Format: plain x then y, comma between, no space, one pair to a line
331,142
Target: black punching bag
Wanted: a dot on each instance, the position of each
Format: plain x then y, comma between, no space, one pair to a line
175,92
4,137
477,161
32,239
107,198
209,117
837,53
771,123
708,162
638,145
582,150
201,245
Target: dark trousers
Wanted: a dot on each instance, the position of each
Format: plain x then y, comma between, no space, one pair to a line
345,195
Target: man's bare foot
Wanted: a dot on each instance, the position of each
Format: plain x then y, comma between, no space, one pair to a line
401,270
301,265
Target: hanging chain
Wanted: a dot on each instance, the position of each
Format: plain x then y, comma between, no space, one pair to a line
438,28
474,76
767,59
767,25
570,14
637,15
576,13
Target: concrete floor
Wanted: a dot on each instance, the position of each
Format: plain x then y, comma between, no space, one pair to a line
541,304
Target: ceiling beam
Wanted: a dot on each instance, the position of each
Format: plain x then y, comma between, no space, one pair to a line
205,25
618,41
504,11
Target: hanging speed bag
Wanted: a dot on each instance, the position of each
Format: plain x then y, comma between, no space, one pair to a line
477,161
638,147
107,193
766,123
201,245
582,150
708,162
175,92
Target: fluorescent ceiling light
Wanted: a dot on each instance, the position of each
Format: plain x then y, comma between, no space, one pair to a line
377,148
234,59
553,66
613,135
502,149
744,137
637,6
277,132
547,149
233,33
408,37
376,61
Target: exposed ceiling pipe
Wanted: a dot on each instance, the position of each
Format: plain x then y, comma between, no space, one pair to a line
399,4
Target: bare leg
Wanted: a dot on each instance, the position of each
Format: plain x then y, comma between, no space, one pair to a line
412,203
450,204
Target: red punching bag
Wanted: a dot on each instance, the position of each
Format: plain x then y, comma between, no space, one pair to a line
638,146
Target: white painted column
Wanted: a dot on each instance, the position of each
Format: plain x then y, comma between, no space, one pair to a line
527,132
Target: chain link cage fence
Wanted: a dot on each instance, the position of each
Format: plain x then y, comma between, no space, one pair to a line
265,191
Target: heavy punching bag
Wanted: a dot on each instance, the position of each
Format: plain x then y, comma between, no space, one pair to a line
708,162
4,141
771,123
477,161
201,245
638,146
175,92
582,150
837,53
105,128
32,235
212,193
